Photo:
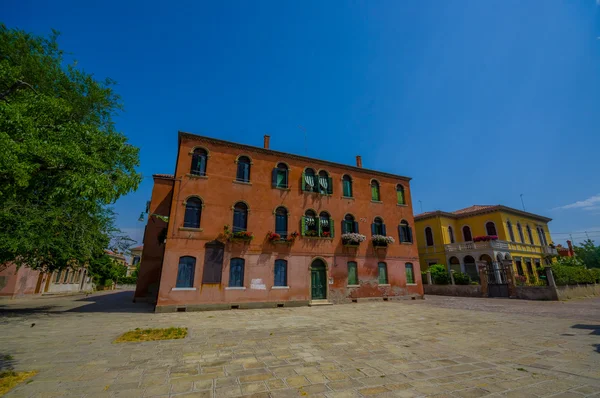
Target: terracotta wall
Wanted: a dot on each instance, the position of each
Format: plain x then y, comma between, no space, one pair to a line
14,283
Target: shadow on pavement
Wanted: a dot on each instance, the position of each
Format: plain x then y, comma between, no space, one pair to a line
595,329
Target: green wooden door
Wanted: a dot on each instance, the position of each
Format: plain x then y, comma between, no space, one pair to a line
318,283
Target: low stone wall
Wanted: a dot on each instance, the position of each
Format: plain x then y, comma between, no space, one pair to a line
125,287
453,290
536,293
577,291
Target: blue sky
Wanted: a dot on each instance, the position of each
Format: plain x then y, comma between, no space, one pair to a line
477,101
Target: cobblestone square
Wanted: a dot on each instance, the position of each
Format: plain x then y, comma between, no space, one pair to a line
438,347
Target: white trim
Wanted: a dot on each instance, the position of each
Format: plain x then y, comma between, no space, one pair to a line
235,287
279,287
411,284
353,286
384,284
183,289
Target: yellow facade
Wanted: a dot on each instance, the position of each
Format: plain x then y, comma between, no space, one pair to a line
452,239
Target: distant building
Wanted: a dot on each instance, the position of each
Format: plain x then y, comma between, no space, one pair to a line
136,258
301,213
565,251
25,281
484,233
122,260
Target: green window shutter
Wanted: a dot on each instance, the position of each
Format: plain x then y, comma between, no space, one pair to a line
374,193
303,182
330,186
274,175
352,275
318,221
382,274
331,226
303,226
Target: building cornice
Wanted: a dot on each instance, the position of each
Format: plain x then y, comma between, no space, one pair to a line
289,155
493,209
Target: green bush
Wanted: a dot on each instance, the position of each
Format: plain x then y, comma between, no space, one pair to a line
439,274
127,280
108,282
424,278
567,275
460,278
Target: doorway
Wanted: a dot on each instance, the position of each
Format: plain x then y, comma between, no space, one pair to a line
318,280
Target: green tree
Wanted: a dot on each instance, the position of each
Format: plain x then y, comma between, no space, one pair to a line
589,253
103,269
62,162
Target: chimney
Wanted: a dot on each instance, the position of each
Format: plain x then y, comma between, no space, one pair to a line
267,138
358,161
571,253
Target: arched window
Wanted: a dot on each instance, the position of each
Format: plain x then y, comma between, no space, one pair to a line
325,185
454,264
405,232
309,181
490,228
529,234
520,231
383,276
378,227
542,236
428,236
280,176
185,271
410,273
310,226
375,191
280,272
349,225
281,222
511,233
325,225
193,211
450,234
467,233
199,160
240,217
236,272
243,169
347,186
400,194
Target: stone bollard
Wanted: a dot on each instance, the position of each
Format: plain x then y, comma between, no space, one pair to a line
429,280
452,276
551,282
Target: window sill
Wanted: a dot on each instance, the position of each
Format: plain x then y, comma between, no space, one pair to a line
403,205
348,197
283,188
406,243
411,284
384,284
242,182
190,229
204,177
279,287
235,288
376,201
318,237
183,289
353,286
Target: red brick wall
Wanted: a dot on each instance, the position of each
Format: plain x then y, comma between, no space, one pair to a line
19,282
219,194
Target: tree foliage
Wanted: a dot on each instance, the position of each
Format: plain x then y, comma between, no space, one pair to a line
62,162
588,253
105,270
439,274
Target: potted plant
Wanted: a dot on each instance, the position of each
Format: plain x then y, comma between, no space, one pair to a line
274,237
381,240
326,234
352,239
311,233
244,236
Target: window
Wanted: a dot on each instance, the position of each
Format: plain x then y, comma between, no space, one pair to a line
347,186
529,234
280,176
281,221
405,232
243,169
213,262
325,183
542,236
185,272
280,273
375,191
428,236
450,234
199,157
490,228
467,233
310,225
236,272
378,227
352,273
383,278
349,225
193,211
400,194
511,233
325,225
309,182
240,217
410,274
520,231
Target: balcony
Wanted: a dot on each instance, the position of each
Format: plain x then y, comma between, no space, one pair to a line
499,245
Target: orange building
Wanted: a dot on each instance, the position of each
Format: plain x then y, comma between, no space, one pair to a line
253,227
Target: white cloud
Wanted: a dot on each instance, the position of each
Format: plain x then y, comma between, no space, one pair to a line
591,203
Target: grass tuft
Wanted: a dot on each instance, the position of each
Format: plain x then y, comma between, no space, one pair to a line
10,379
152,335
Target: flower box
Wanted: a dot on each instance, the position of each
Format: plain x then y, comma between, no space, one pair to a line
243,236
381,240
352,239
276,238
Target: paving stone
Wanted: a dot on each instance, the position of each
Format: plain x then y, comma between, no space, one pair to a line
252,388
297,381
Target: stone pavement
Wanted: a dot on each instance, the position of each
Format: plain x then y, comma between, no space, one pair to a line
381,349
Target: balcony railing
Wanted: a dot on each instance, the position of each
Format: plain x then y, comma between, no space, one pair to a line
499,245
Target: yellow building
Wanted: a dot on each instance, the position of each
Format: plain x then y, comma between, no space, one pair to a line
484,233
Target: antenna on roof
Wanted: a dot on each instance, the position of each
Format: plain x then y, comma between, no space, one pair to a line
421,205
522,203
